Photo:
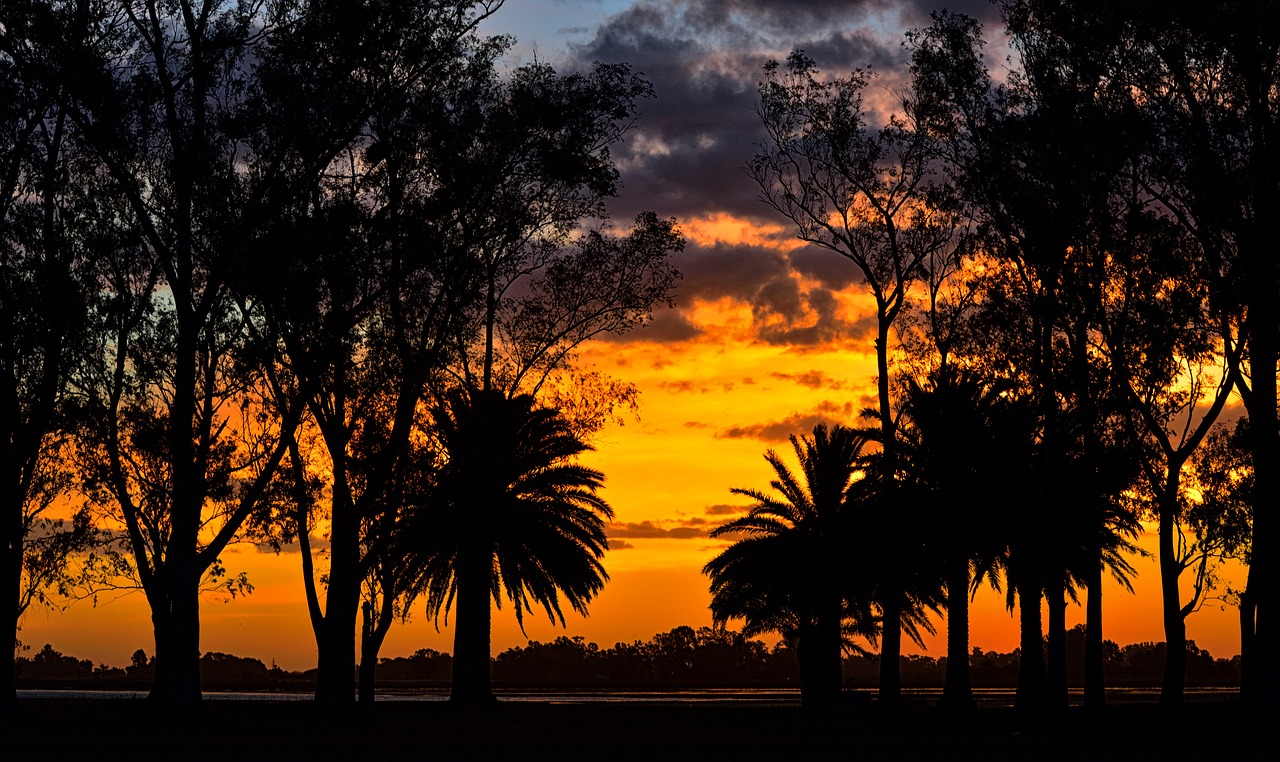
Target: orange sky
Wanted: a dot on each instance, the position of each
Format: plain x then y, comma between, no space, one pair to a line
711,405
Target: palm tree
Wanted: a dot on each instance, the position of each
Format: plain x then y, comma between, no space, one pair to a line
792,570
958,444
510,513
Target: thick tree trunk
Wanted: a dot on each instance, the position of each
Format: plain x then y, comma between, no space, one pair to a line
1030,692
821,672
1095,692
1175,625
368,669
472,683
890,691
957,691
335,674
176,623
1056,641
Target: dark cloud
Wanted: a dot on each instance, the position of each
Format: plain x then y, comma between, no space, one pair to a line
724,509
619,544
828,268
813,379
667,327
704,58
789,316
648,530
798,423
737,271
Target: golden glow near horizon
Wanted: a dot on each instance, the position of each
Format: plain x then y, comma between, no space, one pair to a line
711,404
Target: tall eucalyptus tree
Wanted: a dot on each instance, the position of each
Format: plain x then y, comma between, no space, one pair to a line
859,191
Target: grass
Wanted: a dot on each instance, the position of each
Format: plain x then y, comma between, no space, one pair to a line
395,730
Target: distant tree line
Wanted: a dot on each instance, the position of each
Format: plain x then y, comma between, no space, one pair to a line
679,659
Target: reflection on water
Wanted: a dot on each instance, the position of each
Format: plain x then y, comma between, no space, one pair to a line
992,697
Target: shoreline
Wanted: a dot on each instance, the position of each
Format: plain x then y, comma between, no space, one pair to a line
622,730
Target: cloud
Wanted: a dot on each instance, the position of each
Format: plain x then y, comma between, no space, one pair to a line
788,315
620,545
798,423
648,530
669,326
813,379
704,58
724,509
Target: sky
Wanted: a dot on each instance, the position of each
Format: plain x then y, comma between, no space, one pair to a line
767,338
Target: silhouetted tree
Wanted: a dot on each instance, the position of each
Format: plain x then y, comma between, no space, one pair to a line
171,100
859,191
358,321
1176,356
1016,153
521,164
963,441
1207,76
47,261
511,514
792,572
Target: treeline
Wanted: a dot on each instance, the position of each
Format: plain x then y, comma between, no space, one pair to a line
683,658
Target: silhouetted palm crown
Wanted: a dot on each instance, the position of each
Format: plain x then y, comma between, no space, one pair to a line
795,556
510,491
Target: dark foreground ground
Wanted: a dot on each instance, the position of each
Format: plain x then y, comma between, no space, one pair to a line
400,730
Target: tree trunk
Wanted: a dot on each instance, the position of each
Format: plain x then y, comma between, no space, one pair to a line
176,623
335,674
374,627
368,668
1056,657
891,653
1265,660
1175,625
1095,692
821,672
11,563
957,691
472,683
1030,692
1248,648
1258,244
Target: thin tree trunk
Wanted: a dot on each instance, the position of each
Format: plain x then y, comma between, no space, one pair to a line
11,563
1095,694
1248,643
957,691
1175,626
891,653
1056,641
373,631
1264,585
1030,692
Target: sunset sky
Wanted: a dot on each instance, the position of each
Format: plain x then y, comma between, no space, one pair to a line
767,339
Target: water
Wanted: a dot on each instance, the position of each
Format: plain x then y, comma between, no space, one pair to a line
733,695
990,697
